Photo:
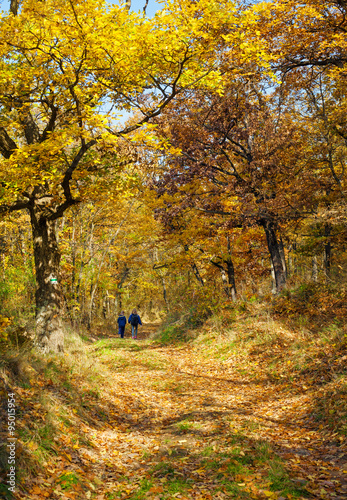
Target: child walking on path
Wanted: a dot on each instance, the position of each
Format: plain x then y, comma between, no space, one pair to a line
122,321
134,320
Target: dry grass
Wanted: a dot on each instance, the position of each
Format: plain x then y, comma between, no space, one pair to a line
65,401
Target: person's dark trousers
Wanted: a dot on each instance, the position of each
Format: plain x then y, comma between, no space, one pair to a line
121,331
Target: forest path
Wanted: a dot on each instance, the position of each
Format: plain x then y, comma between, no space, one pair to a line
171,423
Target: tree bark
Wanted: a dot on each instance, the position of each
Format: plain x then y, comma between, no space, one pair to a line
124,274
231,280
275,254
283,256
195,269
49,296
231,273
314,269
327,252
228,278
165,295
14,7
197,274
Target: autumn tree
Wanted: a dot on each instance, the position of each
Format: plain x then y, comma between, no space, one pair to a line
306,34
237,159
310,57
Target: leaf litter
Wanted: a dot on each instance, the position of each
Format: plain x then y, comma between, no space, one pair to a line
175,422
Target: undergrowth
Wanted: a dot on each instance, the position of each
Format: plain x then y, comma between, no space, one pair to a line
286,349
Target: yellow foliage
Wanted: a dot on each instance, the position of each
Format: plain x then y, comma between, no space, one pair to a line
69,66
4,323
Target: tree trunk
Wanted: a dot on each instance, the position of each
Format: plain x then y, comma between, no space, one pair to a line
292,268
197,274
295,260
228,278
224,280
231,273
165,294
14,7
231,280
314,269
283,256
123,275
49,296
228,282
275,254
327,251
273,290
195,268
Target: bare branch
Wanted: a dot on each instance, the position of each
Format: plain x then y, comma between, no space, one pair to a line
145,7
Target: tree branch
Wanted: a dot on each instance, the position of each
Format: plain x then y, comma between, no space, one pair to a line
7,145
19,205
69,200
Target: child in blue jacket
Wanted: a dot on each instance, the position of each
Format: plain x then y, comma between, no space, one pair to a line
122,321
134,320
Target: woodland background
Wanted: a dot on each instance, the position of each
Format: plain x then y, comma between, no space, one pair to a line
191,164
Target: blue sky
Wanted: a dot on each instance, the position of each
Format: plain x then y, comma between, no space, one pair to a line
136,5
139,4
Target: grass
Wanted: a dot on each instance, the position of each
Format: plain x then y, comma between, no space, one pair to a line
234,466
121,395
283,350
68,480
186,426
162,469
281,482
172,334
172,385
145,486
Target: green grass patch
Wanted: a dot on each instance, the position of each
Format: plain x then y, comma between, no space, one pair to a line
245,461
186,426
281,482
141,493
46,435
176,485
5,493
68,480
171,334
234,490
162,469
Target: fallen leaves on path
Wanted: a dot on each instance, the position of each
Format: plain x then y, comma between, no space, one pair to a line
171,423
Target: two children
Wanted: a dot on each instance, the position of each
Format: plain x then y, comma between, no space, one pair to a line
134,320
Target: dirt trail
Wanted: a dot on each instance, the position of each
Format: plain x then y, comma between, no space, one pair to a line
176,426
